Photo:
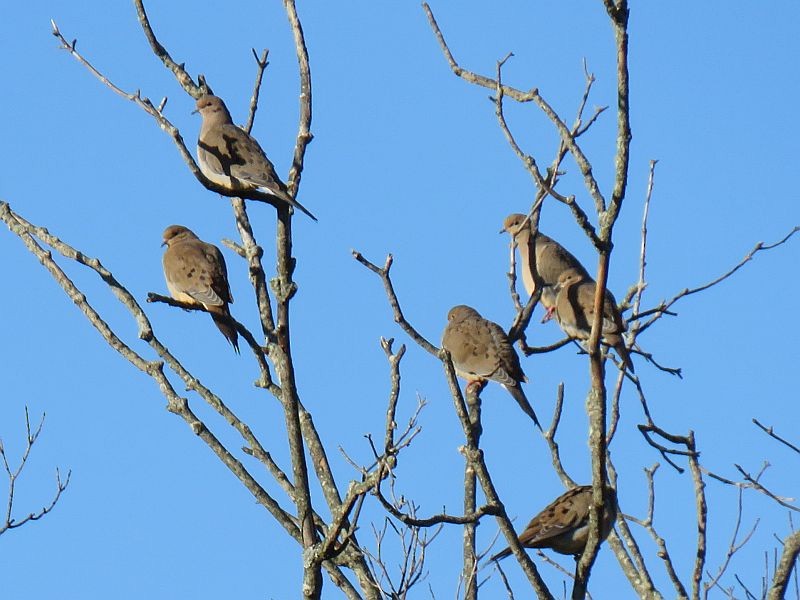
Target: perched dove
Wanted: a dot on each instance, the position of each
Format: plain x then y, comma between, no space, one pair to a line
232,158
563,526
196,274
552,258
481,350
574,311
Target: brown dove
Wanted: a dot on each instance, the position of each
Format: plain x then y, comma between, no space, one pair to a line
574,311
196,274
232,158
481,351
552,258
563,526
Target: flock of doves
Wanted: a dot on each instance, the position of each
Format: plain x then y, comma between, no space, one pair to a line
481,351
196,275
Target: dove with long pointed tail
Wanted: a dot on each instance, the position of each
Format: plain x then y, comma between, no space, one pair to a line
481,351
197,275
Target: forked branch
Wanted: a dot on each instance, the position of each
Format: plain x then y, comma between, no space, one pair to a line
13,474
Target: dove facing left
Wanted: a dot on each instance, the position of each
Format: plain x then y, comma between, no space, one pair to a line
550,258
196,274
574,311
232,158
563,525
481,351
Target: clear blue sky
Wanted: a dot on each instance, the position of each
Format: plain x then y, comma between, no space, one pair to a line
406,159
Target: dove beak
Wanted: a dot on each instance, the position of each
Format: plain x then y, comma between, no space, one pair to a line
195,111
164,243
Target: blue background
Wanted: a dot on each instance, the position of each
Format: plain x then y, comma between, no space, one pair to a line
407,159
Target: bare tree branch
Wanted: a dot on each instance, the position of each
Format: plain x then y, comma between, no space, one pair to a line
399,318
771,433
754,482
184,79
647,523
759,247
531,95
733,547
546,185
258,351
261,65
28,233
414,543
788,562
13,474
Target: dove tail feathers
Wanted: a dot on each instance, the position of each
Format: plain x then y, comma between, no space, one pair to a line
283,195
296,204
522,400
624,355
224,323
501,555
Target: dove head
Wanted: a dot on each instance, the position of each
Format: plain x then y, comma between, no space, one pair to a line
569,277
177,233
461,312
213,109
515,224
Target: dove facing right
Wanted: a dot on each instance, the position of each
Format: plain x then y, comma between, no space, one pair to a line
196,274
563,526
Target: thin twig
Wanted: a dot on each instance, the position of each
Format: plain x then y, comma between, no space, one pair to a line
531,95
733,547
771,433
759,247
394,303
754,482
9,522
258,351
261,65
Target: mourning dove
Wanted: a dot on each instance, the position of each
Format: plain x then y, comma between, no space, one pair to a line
552,258
196,274
232,158
563,526
481,350
574,311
